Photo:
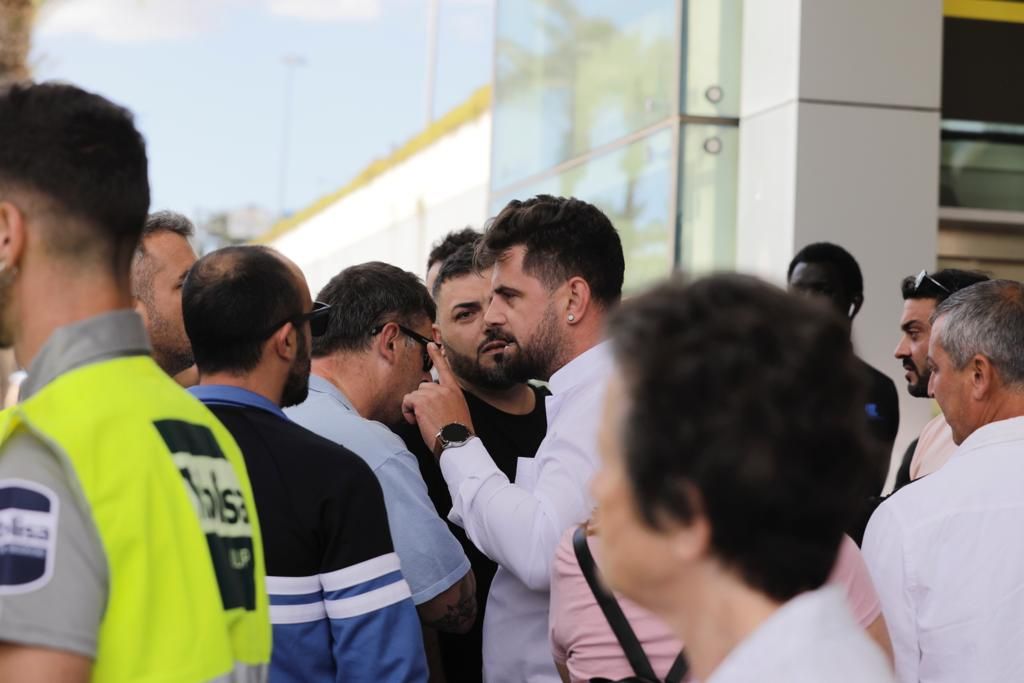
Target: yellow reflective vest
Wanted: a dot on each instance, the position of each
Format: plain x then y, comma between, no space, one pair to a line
168,491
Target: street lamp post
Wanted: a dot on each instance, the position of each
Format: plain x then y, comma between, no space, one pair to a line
291,62
432,30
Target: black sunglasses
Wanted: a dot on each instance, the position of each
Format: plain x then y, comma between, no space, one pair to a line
428,362
922,276
318,319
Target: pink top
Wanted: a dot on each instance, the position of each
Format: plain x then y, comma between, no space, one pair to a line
934,448
582,639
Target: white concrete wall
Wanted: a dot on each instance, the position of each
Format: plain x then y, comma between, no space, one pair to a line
839,142
397,216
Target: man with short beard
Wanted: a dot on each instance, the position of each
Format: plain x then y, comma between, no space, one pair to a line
340,607
921,294
557,272
509,417
508,413
159,267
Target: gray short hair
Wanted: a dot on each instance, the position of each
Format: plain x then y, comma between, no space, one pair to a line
156,223
168,221
986,318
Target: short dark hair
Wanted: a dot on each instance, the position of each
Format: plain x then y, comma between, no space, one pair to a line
231,298
459,264
951,278
84,153
365,296
727,398
826,252
564,237
451,243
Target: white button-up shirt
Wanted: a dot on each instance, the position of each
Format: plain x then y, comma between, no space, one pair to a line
947,556
519,525
813,638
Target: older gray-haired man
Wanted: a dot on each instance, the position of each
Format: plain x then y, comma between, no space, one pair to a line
947,554
159,266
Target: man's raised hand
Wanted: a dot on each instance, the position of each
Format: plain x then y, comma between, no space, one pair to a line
435,405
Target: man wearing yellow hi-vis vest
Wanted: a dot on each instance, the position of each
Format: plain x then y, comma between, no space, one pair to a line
129,544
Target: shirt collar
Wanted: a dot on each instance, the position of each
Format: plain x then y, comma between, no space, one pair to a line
102,337
320,385
223,395
1000,431
595,361
810,615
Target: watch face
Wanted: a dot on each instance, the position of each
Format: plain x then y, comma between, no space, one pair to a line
455,433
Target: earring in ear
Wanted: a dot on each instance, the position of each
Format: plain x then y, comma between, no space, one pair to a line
572,318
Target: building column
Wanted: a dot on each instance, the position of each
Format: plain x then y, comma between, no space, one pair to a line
839,142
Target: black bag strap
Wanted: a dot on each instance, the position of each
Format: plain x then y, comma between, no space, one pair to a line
679,669
617,620
612,612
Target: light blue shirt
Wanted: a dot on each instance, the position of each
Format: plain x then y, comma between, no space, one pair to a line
432,560
223,395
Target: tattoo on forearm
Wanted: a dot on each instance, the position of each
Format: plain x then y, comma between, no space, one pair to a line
459,616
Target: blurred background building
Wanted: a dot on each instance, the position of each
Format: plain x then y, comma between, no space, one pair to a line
717,134
722,134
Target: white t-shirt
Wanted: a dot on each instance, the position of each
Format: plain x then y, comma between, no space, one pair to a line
810,639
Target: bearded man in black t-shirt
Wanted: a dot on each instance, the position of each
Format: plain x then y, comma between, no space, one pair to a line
509,417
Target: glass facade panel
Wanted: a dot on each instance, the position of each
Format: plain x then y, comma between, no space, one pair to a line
982,166
712,33
706,204
632,185
572,75
465,52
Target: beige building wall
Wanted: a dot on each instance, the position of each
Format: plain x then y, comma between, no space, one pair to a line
839,142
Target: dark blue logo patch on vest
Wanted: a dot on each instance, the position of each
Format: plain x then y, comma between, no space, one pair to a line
215,491
28,535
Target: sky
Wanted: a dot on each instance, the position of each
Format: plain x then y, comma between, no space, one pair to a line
207,82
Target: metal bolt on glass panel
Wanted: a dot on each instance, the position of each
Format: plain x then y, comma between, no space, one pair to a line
632,106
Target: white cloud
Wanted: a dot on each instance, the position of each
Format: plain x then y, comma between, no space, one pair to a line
136,21
327,10
133,21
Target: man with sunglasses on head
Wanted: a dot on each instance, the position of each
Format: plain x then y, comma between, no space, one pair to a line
340,607
921,295
373,353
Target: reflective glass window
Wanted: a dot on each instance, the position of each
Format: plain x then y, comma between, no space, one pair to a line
711,40
632,185
706,206
982,166
573,75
